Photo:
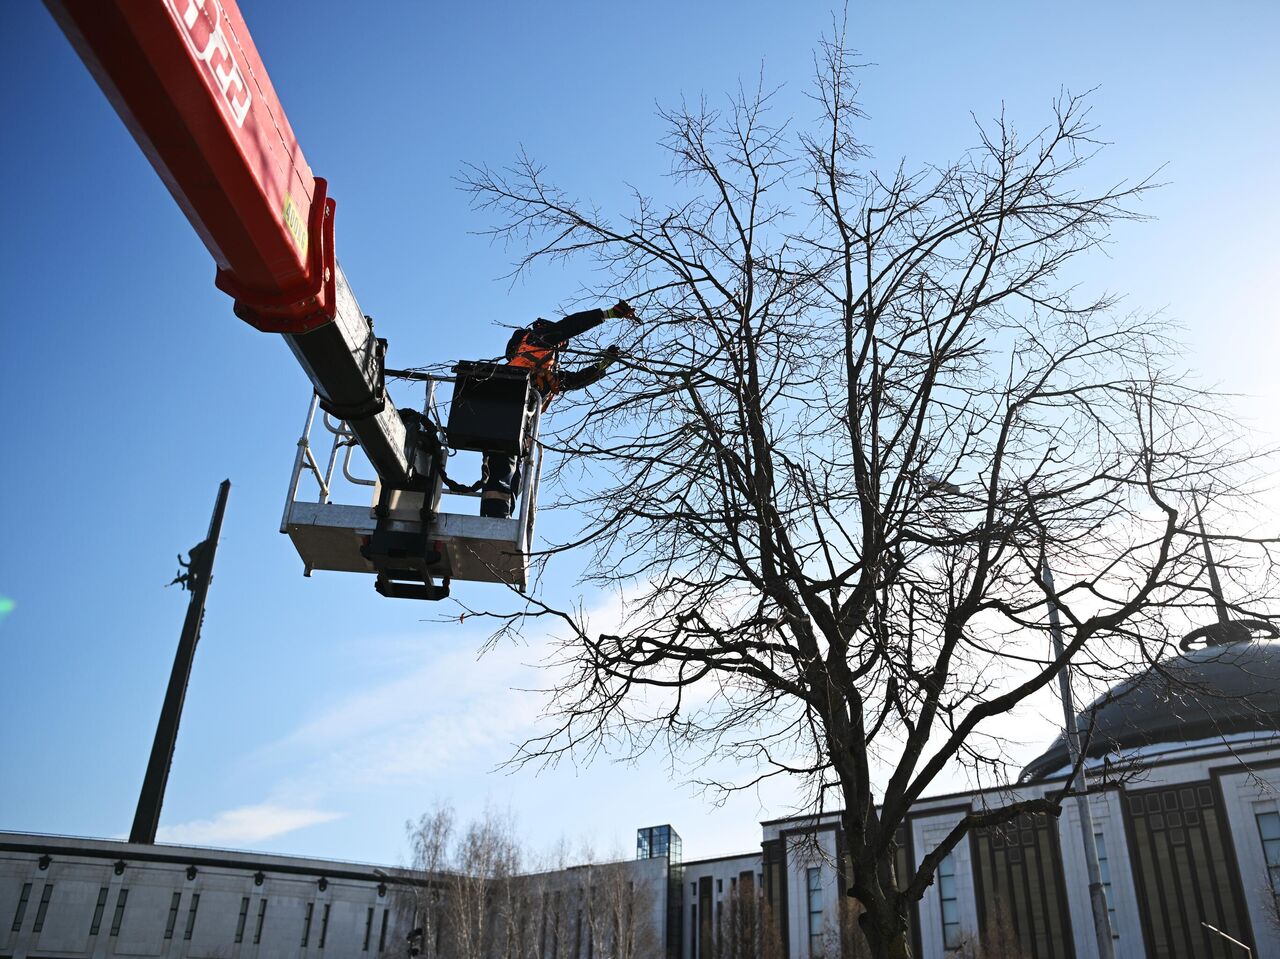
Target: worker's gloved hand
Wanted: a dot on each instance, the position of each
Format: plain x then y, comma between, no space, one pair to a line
608,358
623,311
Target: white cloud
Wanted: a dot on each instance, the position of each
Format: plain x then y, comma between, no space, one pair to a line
245,825
440,715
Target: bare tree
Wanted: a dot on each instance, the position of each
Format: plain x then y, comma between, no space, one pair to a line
485,863
861,414
747,929
421,905
620,913
480,894
999,939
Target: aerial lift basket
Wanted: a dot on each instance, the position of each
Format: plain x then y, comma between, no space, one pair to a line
402,536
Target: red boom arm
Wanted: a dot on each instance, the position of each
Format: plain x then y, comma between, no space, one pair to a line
186,78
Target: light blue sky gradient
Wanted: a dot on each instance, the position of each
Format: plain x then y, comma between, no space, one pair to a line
321,716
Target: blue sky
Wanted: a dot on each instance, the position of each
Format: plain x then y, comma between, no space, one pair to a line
320,716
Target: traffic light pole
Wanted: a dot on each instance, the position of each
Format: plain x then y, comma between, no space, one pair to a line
199,572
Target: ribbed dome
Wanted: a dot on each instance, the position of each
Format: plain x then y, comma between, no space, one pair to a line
1209,692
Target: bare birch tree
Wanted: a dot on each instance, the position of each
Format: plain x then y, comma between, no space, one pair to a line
421,905
747,929
861,413
485,864
480,894
620,913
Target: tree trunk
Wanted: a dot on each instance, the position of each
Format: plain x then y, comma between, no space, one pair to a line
885,932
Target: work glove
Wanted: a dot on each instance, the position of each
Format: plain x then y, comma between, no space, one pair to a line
623,311
608,357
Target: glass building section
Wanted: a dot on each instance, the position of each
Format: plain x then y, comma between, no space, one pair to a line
663,842
659,842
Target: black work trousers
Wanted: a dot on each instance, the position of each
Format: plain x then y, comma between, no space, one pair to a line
500,485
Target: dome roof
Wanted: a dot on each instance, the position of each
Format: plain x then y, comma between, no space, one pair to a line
1218,690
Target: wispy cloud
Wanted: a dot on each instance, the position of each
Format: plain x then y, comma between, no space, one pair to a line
442,714
245,825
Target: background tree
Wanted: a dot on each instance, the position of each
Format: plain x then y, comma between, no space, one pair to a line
422,906
861,412
481,894
486,863
620,913
747,928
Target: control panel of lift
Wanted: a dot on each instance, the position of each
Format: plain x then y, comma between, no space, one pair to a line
401,535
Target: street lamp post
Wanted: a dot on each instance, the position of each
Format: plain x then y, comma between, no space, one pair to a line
1079,784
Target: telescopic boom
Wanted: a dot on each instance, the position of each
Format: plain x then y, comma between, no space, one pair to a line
186,79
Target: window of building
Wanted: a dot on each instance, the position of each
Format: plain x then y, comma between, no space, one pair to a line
22,907
382,934
306,924
814,877
191,916
368,928
949,895
1269,830
1104,870
244,915
43,908
97,912
173,915
118,917
262,914
719,885
693,926
324,925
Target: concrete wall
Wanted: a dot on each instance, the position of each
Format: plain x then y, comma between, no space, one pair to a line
79,870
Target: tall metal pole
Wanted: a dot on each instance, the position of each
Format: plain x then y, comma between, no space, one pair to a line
199,573
1080,785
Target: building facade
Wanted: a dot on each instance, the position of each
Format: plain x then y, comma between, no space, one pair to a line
1186,826
1188,841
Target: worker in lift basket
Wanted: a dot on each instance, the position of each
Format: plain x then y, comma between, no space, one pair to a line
537,348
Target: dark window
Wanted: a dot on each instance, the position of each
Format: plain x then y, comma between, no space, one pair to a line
368,928
306,924
1269,830
118,918
191,916
693,924
173,915
1104,869
382,936
22,906
257,929
244,915
43,908
814,889
324,924
97,912
719,885
950,903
